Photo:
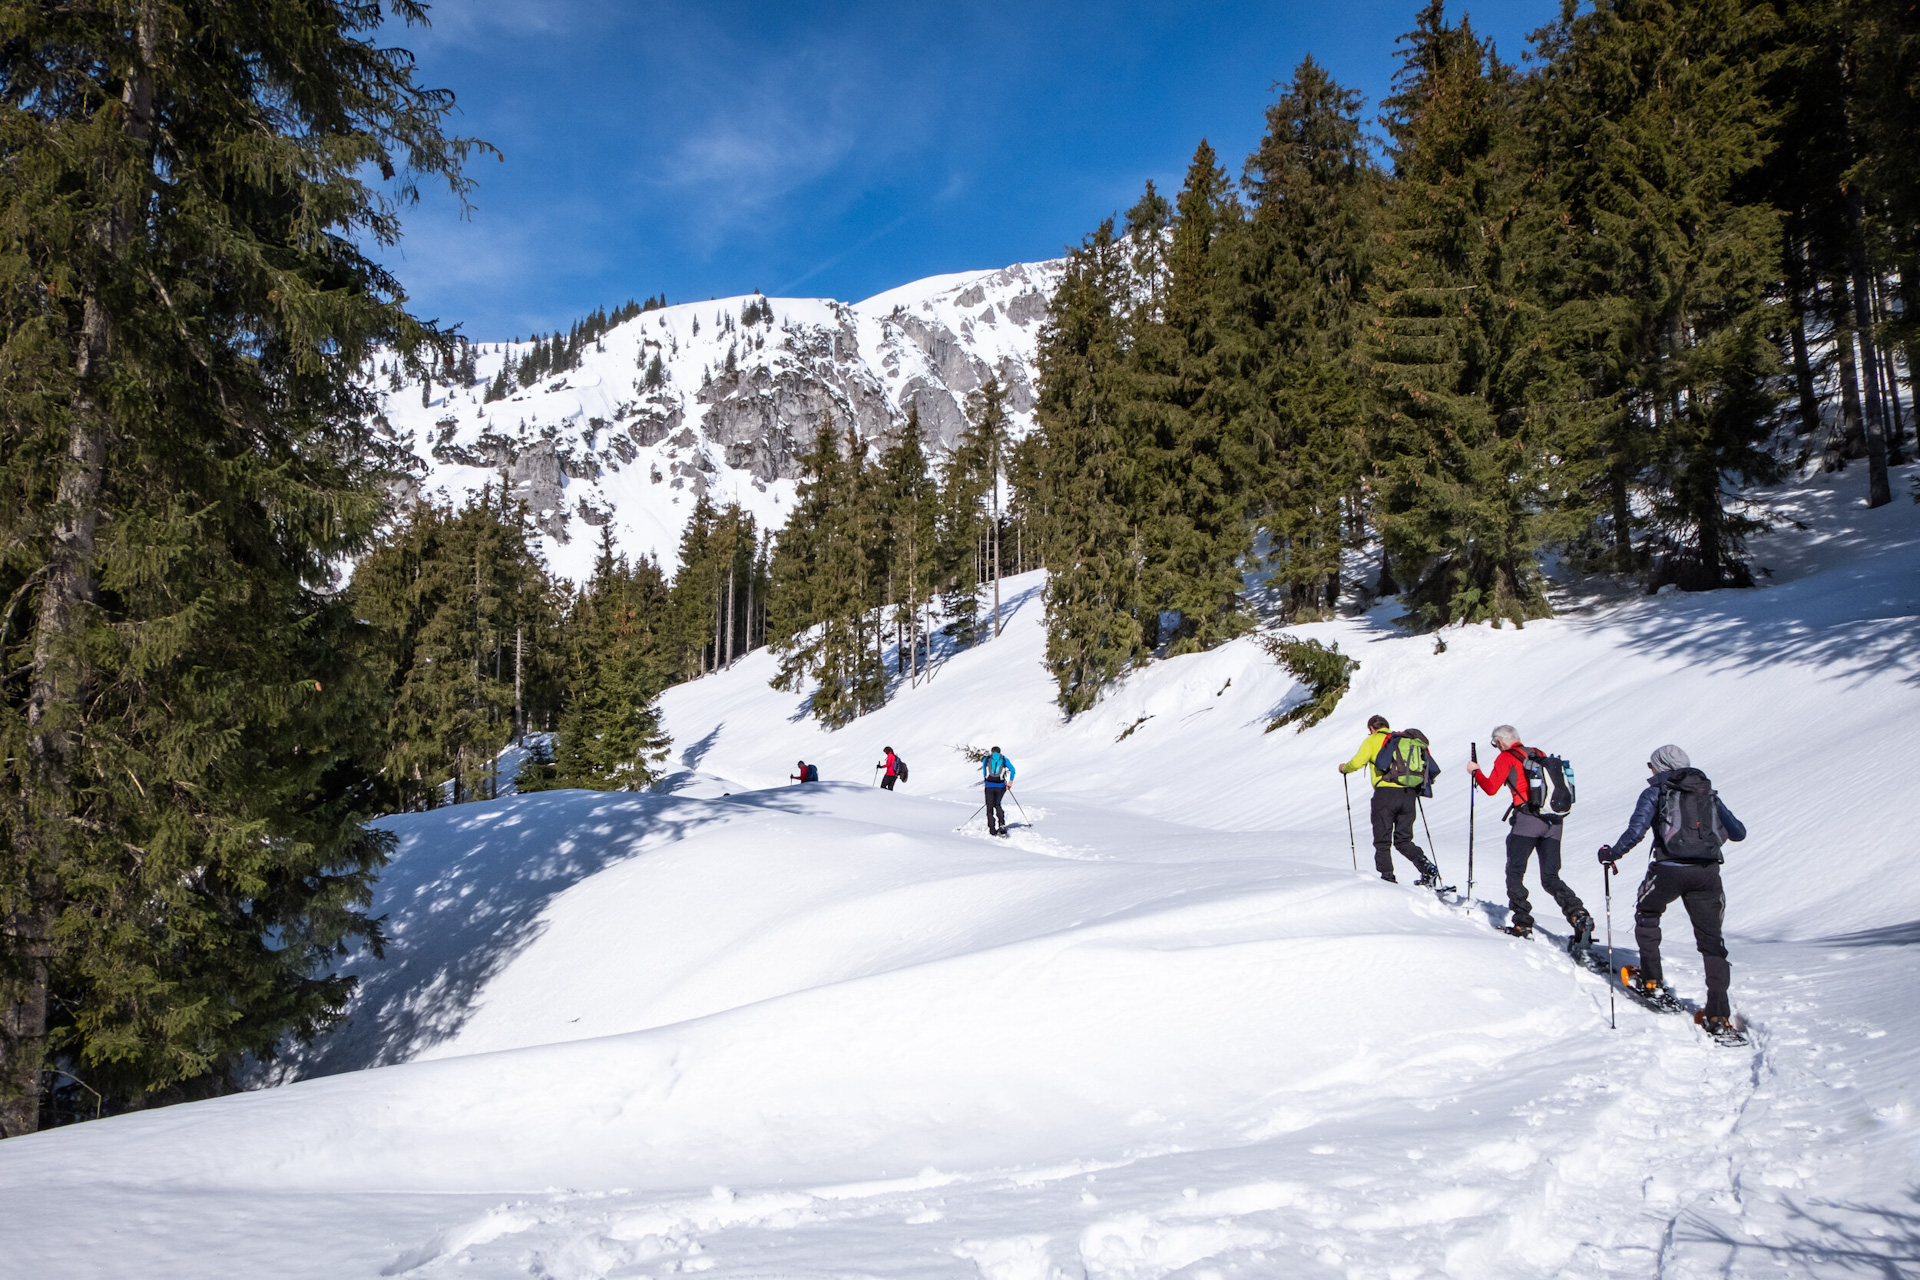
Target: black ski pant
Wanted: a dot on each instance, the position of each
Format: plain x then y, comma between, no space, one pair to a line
996,815
1698,886
886,783
1546,844
1393,813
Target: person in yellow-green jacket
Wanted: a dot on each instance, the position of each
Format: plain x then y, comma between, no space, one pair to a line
1394,806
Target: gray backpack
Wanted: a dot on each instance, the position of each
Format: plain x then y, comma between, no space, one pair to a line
1686,820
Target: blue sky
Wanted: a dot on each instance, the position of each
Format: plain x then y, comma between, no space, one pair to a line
835,150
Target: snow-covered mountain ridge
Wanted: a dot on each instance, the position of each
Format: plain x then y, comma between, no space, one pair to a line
737,402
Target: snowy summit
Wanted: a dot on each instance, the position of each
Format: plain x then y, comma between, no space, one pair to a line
719,397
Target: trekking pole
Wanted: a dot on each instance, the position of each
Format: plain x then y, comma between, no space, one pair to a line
1473,789
971,816
875,781
1433,855
1606,882
1022,808
1353,849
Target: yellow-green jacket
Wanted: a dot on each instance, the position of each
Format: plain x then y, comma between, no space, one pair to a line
1368,753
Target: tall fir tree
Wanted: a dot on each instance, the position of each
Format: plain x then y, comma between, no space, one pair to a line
1316,196
1667,265
621,654
1197,456
1082,471
1462,453
192,294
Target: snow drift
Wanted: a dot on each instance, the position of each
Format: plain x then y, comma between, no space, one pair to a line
1164,1027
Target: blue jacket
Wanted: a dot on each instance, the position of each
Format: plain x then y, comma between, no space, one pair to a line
992,761
1649,804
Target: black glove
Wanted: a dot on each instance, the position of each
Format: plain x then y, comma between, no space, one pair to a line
1607,855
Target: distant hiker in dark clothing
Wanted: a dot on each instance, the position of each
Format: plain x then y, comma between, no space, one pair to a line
1690,824
997,773
889,763
808,773
1534,832
1395,800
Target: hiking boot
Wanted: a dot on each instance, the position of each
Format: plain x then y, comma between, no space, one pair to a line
1389,879
1631,979
1518,930
1430,878
1725,1030
1582,940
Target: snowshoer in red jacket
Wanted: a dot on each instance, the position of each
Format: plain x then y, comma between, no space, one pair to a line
886,783
1532,832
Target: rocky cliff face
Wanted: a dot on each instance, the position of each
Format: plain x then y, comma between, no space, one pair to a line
735,405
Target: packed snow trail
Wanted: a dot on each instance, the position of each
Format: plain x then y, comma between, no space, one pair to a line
1163,1028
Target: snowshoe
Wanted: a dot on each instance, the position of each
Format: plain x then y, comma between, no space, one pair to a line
1431,880
1518,930
1580,946
1723,1030
1649,992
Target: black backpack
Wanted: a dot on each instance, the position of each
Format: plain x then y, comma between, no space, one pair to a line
1549,785
900,768
1686,821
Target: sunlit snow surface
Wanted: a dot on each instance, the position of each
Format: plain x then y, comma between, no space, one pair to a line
1163,1029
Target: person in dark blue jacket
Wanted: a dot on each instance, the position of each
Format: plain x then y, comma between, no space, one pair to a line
997,773
1689,823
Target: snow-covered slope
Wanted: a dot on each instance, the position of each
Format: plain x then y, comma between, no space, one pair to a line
1163,1029
597,445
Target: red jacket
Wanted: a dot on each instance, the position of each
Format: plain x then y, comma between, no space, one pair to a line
1506,770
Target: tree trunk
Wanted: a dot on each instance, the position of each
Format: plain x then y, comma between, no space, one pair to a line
1889,382
1879,487
1797,335
1622,521
730,618
519,709
1852,428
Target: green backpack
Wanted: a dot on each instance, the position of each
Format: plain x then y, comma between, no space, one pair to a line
1402,760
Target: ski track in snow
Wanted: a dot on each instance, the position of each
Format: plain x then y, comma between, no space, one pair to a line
1159,1030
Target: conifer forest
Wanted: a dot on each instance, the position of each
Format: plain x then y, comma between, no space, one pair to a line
1553,310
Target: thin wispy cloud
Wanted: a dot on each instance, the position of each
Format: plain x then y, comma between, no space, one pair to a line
705,150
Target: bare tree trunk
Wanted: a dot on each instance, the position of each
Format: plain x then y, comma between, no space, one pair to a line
519,709
1889,382
1879,487
730,618
1852,423
1797,335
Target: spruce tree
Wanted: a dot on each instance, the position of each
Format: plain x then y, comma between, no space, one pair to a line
1462,453
191,296
1666,265
620,657
1196,457
910,501
1315,194
1083,471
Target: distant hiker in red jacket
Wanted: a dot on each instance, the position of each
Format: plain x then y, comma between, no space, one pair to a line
892,767
1532,831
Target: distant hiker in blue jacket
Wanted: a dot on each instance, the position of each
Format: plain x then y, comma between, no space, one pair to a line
1689,823
997,772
